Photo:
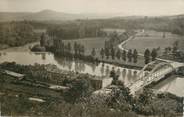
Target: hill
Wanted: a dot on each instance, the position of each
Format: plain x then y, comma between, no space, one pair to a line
47,15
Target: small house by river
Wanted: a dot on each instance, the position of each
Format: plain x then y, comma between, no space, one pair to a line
12,74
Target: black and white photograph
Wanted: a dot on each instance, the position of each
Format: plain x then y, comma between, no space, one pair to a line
91,58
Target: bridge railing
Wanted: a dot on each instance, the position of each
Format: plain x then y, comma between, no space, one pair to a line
142,82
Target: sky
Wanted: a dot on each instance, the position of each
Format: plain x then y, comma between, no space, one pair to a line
124,7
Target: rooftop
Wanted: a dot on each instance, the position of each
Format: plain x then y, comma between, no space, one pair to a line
13,74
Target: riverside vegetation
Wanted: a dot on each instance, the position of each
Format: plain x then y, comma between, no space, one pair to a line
80,100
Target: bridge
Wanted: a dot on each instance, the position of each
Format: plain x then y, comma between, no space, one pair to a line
153,72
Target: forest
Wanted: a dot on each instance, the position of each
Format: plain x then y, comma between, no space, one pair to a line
15,34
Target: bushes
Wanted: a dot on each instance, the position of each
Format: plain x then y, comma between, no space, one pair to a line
162,104
79,88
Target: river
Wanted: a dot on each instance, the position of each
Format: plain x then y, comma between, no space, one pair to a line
22,55
174,84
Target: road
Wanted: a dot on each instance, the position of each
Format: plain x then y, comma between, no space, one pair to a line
140,83
174,63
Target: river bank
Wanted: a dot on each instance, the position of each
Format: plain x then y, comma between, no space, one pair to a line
102,69
24,48
78,66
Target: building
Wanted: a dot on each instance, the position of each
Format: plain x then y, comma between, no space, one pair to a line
15,75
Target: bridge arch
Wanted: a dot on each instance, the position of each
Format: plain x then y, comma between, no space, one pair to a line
153,66
159,71
156,71
162,64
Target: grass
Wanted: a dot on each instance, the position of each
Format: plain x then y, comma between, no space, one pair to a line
149,39
90,43
181,44
152,39
98,43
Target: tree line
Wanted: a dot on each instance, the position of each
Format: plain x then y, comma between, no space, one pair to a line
74,31
62,48
111,53
17,33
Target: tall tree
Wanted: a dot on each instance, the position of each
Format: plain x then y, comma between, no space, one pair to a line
147,56
42,40
112,53
154,54
75,48
175,48
69,47
118,54
129,55
82,50
124,55
166,51
135,55
93,52
102,53
107,53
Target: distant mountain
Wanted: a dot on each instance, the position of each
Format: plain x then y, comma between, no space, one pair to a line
9,16
49,15
42,15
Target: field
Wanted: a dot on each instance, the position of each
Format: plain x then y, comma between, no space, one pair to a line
111,30
98,43
89,43
181,44
152,39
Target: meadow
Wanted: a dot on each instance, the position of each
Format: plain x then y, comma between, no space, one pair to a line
152,39
90,43
181,44
98,43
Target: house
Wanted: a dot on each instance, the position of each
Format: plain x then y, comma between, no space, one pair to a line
13,74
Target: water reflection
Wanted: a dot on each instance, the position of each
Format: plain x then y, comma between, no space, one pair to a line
118,72
43,56
129,76
134,75
107,70
172,85
123,74
93,67
102,69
